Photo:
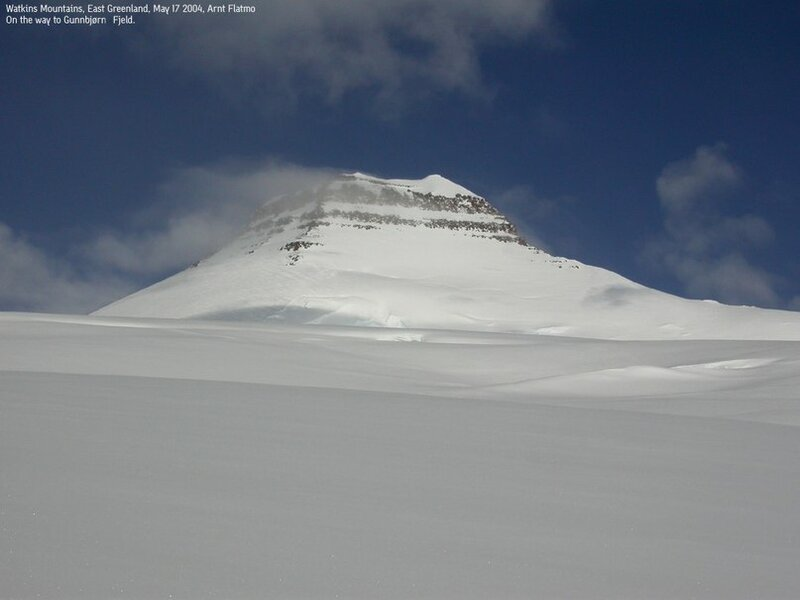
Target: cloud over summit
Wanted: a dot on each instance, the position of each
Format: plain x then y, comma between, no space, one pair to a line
194,212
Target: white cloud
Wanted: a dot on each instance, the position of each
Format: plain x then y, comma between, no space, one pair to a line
396,48
30,279
685,182
701,246
195,212
730,278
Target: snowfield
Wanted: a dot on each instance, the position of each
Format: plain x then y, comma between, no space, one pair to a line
146,458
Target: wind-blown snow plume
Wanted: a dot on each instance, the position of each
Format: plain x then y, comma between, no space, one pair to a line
197,210
547,222
194,212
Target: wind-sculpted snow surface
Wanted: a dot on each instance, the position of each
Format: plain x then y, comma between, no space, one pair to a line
155,458
425,254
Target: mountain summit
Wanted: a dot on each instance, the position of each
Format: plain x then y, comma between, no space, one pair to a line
428,253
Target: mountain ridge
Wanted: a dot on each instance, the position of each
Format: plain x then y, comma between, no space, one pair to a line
427,253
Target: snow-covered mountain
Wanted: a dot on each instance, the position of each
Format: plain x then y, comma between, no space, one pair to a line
150,457
426,253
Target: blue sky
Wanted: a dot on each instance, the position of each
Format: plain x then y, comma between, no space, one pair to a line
656,139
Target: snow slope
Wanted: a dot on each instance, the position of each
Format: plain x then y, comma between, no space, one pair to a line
425,254
152,458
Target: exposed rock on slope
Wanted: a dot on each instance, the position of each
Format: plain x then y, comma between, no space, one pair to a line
429,253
